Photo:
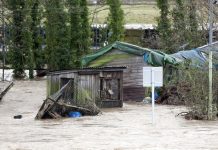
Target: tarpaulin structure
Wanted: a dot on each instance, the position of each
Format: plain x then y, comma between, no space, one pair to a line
151,57
196,57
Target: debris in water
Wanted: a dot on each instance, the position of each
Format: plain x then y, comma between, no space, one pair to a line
61,104
174,95
18,117
75,114
4,87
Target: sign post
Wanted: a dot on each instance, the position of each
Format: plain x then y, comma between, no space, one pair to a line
152,84
153,77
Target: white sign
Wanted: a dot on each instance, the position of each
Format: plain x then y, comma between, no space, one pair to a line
157,75
152,76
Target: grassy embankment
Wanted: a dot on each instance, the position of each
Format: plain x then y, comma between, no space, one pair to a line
141,14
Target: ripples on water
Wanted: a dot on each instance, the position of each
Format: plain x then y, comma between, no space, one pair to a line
126,128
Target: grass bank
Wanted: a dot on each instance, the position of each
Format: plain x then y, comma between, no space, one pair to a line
142,14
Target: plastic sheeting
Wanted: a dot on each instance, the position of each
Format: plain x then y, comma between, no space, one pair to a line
158,58
195,56
154,58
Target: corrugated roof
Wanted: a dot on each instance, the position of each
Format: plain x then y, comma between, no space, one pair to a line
139,26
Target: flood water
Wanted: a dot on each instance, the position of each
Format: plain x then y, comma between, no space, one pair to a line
115,129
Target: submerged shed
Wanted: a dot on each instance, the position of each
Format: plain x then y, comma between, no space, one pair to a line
134,58
104,85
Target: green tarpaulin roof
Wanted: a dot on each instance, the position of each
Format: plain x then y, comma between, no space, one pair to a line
154,58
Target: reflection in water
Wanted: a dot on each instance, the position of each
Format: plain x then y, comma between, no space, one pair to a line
126,128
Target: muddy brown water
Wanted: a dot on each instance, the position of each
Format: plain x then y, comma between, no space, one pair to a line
118,128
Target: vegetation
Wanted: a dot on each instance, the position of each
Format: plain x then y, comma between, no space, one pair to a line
197,97
179,23
79,30
38,53
181,26
188,85
141,14
106,59
193,26
164,26
75,32
115,21
86,32
58,54
187,31
21,38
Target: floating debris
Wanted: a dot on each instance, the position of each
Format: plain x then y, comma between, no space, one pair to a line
18,117
4,87
61,104
174,95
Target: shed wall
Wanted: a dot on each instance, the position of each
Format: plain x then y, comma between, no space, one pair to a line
91,84
88,84
132,76
53,82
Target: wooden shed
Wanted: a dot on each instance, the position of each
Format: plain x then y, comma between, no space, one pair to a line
104,85
134,58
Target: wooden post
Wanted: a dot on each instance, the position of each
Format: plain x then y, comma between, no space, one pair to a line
3,43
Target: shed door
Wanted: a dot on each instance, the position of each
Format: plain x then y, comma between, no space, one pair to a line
110,89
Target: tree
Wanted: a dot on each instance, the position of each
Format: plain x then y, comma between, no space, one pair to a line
196,35
85,33
38,53
179,23
75,32
164,26
79,30
188,24
115,21
57,38
21,41
27,42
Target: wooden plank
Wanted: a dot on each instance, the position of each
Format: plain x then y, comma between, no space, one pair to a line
5,86
46,106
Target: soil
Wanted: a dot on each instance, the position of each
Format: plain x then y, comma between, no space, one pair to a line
124,128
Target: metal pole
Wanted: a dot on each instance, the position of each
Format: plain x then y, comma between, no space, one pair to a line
3,43
210,101
152,76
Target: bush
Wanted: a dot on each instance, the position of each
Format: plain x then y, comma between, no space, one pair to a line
195,96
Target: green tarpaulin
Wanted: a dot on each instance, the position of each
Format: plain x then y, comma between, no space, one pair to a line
154,58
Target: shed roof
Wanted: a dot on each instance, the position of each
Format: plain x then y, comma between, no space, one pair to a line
87,69
152,57
133,26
